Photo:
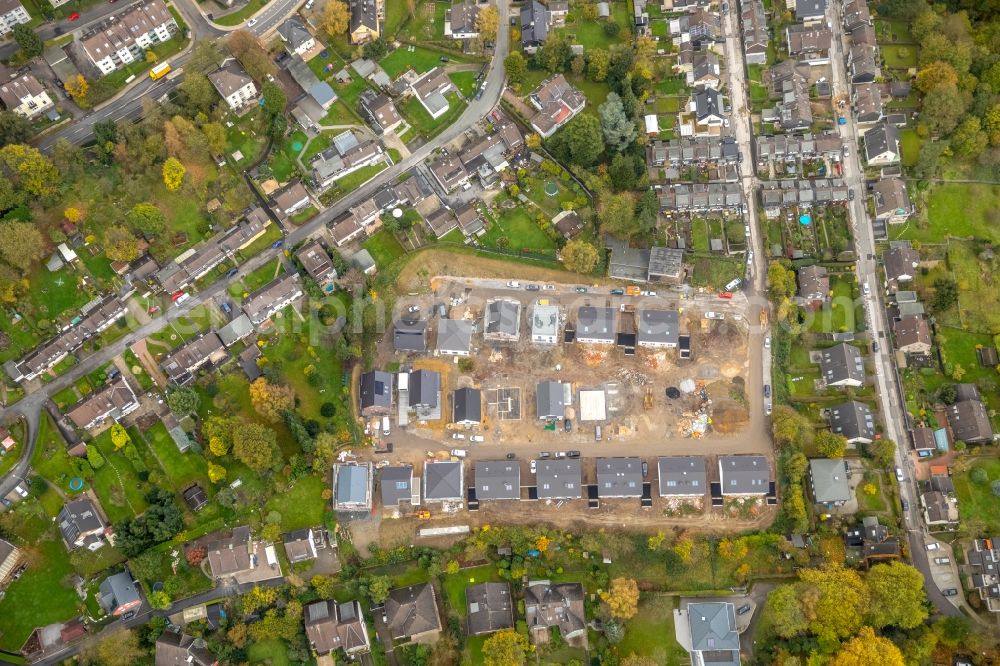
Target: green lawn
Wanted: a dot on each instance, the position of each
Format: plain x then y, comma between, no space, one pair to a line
44,594
900,56
651,632
715,271
255,280
242,14
116,484
55,294
384,248
271,652
301,505
426,26
417,115
976,501
521,232
283,162
454,585
868,502
420,60
465,82
181,468
909,147
958,209
838,314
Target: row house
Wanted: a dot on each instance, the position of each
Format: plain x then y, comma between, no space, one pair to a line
25,96
95,318
862,64
181,363
700,197
856,14
123,39
691,151
868,108
755,35
809,44
272,298
115,400
12,13
782,146
490,155
794,110
460,20
338,161
892,202
776,195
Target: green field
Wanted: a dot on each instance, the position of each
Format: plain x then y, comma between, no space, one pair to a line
651,632
838,314
957,210
242,14
465,82
421,120
900,56
118,488
301,504
909,147
384,248
976,501
182,469
420,60
271,652
521,232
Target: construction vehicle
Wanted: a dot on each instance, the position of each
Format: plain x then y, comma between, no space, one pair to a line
763,317
424,515
632,291
648,399
159,71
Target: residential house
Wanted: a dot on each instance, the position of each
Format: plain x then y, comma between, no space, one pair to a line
810,11
181,363
809,43
345,228
396,485
430,90
559,479
793,110
755,34
352,486
375,393
874,540
12,13
864,34
551,400
334,626
704,70
411,614
25,96
336,162
967,417
939,509
862,63
450,174
596,325
868,107
316,262
469,220
115,400
534,25
561,605
467,407
856,14
781,146
842,366
619,477
693,151
502,320
854,420
460,20
454,337
712,627
424,389
11,559
497,480
118,594
366,20
744,475
300,545
233,84
984,561
545,324
682,476
238,329
922,438
699,27
708,111
410,335
291,199
233,556
900,262
489,607
814,284
124,37
80,524
913,335
558,11
272,298
828,477
892,203
298,41
657,329
557,103
177,649
490,154
321,95
444,481
380,112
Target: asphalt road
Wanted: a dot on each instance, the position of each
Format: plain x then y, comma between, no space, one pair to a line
893,411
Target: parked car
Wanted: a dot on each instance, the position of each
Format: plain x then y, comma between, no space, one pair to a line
645,469
617,292
767,390
597,433
899,474
278,243
767,342
906,505
477,438
6,502
511,456
581,290
514,284
736,282
934,546
443,58
385,426
950,592
19,489
459,453
479,93
231,273
251,23
743,610
457,435
942,560
726,295
573,454
567,425
413,308
75,16
548,287
545,455
850,195
533,287
714,315
227,307
560,454
875,346
533,466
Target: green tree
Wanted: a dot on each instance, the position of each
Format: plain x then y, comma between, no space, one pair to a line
375,49
14,128
945,294
622,598
517,69
788,426
216,473
579,256
258,598
255,446
29,42
897,596
182,401
969,139
94,457
147,218
616,214
505,648
119,437
622,172
784,611
378,588
781,281
835,600
831,444
199,94
324,586
173,174
935,74
554,53
487,22
159,599
580,141
274,98
21,244
246,48
943,108
120,244
619,130
28,170
598,61
867,649
120,648
336,17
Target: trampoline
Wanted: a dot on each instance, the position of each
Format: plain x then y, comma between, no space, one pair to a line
551,188
805,220
297,146
76,483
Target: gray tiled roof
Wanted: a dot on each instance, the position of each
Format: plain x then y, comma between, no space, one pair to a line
559,479
498,479
396,484
744,475
619,477
443,480
682,475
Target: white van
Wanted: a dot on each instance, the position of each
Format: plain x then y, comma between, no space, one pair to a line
385,426
459,453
